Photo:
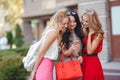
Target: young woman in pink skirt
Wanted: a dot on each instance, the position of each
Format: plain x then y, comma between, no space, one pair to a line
43,69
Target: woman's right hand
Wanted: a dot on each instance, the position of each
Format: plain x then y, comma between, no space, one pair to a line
76,45
91,32
63,48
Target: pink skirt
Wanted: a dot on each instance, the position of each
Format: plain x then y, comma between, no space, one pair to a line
45,70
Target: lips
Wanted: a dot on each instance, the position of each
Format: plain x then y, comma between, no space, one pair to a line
85,26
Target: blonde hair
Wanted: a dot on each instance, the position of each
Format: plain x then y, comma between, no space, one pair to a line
55,20
93,20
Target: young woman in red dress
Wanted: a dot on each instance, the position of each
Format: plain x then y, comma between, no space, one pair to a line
93,39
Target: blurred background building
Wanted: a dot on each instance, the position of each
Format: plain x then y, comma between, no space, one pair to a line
38,12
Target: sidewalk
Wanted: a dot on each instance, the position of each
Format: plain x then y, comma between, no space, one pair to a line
111,70
111,65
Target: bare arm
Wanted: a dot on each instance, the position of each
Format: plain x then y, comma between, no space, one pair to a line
92,45
75,46
51,37
68,52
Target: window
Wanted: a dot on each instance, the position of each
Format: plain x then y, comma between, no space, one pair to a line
115,14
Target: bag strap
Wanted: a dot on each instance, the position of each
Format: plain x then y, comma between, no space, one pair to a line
63,56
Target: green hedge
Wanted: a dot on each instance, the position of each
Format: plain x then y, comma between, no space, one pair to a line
11,67
20,51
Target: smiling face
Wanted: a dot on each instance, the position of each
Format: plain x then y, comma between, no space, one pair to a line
85,21
72,23
64,24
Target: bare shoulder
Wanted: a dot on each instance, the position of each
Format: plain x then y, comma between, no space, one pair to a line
99,37
52,34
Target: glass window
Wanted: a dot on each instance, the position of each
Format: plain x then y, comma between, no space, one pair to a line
115,11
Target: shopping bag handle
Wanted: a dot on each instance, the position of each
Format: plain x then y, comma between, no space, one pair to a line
63,56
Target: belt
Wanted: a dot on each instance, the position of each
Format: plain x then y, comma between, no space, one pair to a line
93,54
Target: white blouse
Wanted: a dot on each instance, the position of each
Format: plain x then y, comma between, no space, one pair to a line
52,52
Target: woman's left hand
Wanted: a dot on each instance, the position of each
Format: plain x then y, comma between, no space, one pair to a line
80,59
32,76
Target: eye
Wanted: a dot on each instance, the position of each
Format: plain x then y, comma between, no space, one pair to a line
74,21
86,21
63,23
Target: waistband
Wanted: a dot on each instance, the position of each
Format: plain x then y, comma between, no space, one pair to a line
93,54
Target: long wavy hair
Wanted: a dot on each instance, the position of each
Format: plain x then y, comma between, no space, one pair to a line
93,21
77,30
55,20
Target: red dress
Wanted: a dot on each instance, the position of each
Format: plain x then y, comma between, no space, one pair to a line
91,66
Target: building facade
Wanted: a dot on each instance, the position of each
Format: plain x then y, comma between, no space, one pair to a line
38,12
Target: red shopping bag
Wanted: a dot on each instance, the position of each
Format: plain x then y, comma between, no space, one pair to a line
66,70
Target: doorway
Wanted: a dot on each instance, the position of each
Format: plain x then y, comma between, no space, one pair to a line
115,29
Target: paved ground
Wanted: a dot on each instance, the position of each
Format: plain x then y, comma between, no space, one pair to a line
111,70
111,65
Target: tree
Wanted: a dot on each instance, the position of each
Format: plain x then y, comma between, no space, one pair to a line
18,40
10,38
15,10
